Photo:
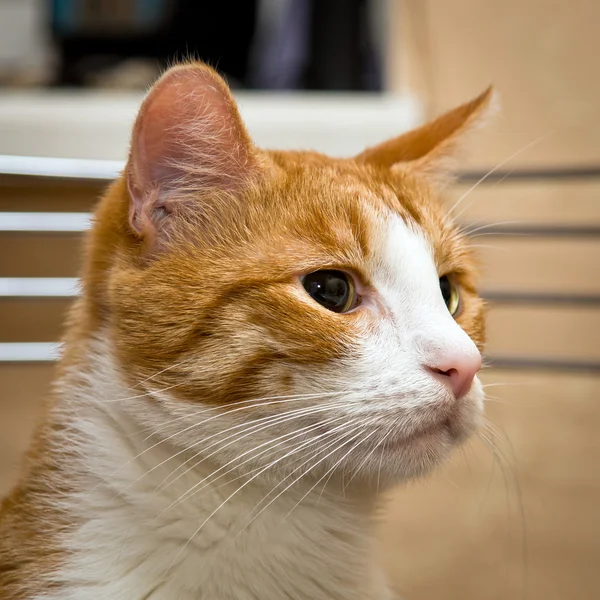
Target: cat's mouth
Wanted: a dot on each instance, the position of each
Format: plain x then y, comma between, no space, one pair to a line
449,429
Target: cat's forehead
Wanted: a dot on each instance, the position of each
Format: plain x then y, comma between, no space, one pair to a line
347,204
330,186
332,214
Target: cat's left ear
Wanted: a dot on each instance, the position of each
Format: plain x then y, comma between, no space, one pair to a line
189,147
432,148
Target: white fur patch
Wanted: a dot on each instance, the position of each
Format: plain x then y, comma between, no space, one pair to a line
406,328
170,490
135,541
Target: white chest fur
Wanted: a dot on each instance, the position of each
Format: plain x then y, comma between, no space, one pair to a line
135,541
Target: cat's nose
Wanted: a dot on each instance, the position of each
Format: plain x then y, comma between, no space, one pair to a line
457,370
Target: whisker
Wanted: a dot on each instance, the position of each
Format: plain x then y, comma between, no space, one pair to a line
205,481
278,418
312,426
496,400
470,231
255,402
174,366
145,394
503,462
298,446
271,421
490,247
503,178
499,436
391,430
239,489
337,442
331,469
507,383
498,234
498,166
218,415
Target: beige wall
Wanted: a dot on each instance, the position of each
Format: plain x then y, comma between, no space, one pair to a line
532,530
541,55
526,525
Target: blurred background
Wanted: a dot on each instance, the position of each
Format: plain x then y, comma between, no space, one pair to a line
516,513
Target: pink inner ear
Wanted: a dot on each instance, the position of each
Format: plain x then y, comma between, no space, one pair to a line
188,136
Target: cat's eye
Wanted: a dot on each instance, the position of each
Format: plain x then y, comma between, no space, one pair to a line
450,294
335,290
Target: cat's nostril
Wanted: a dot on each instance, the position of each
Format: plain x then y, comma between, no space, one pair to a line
437,371
458,377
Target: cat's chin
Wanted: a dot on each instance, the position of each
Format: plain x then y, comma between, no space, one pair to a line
405,456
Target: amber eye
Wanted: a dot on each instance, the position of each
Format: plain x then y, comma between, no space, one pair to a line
450,294
332,289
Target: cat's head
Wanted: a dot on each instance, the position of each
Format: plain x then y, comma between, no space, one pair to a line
289,311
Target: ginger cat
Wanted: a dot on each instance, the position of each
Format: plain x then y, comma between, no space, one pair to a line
265,342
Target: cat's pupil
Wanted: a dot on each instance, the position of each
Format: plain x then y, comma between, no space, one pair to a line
446,288
329,288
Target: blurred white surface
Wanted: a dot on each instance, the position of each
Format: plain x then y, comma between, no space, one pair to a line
45,166
29,351
97,125
36,287
61,222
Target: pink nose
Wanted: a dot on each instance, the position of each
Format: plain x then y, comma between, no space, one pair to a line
457,371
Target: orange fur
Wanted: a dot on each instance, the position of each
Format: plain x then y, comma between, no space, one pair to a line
195,278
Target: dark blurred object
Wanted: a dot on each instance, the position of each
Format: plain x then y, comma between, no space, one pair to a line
342,51
265,44
97,35
316,45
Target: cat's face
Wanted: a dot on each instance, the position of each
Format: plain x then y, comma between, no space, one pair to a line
318,318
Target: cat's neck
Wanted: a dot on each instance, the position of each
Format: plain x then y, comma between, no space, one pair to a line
140,529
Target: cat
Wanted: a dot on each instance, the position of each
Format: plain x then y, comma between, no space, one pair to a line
265,342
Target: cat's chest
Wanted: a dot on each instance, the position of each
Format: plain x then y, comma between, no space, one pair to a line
118,561
135,542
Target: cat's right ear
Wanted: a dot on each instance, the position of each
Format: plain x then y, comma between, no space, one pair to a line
188,141
432,149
